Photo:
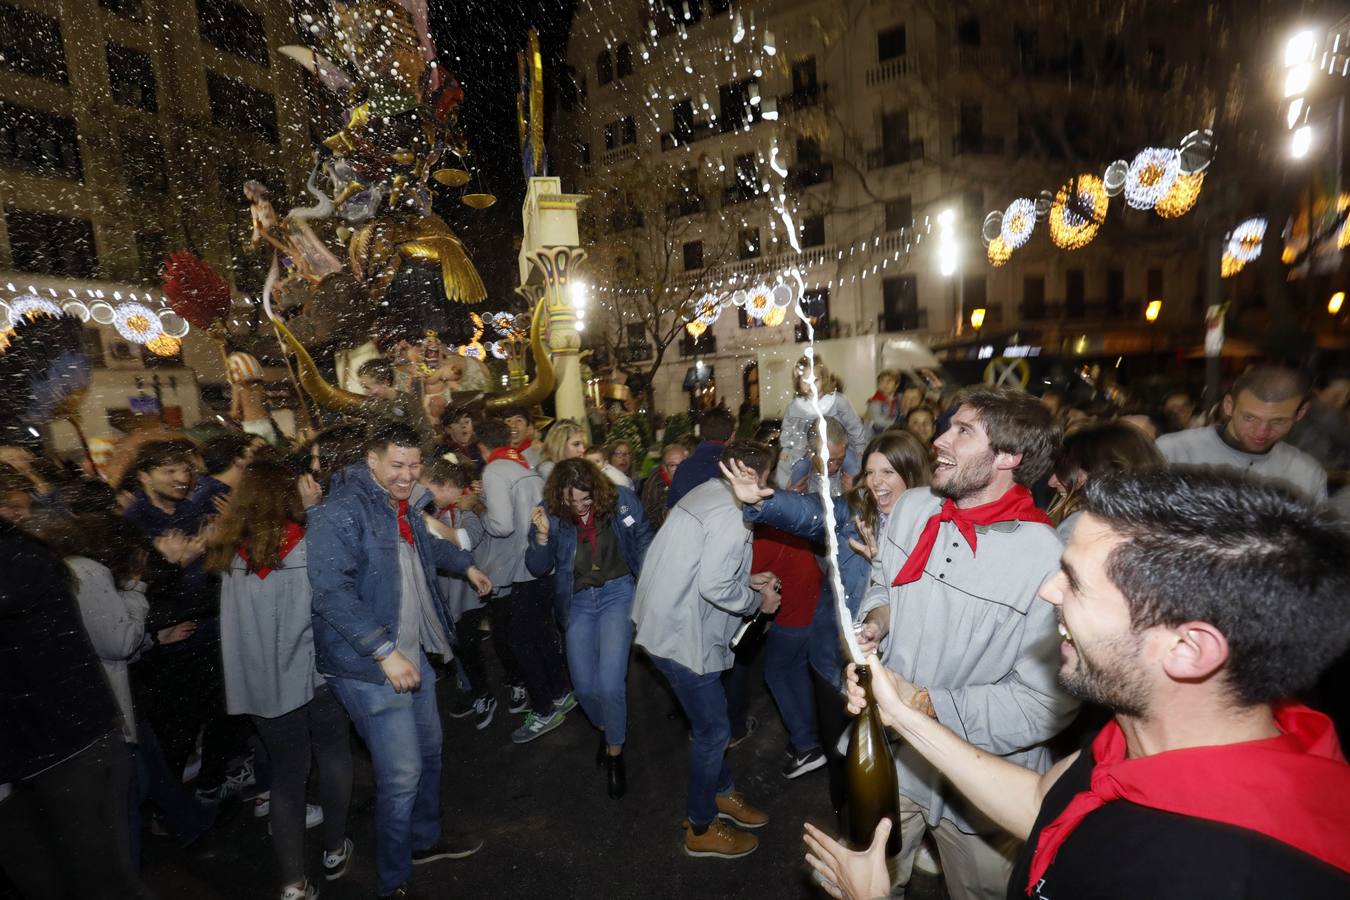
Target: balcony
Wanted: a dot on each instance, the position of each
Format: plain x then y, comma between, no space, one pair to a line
683,137
806,175
704,345
686,206
977,145
892,70
624,153
894,155
802,98
980,58
739,192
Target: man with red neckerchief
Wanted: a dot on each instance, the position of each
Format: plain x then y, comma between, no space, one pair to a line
1191,603
953,606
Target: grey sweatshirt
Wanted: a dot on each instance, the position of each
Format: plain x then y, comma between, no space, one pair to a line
1283,462
973,632
510,494
115,620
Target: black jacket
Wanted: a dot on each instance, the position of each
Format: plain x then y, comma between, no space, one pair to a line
54,698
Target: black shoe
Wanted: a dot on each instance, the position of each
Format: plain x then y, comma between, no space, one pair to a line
400,891
601,752
450,846
618,776
800,763
463,706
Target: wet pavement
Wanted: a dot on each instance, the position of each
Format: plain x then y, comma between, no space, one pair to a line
550,829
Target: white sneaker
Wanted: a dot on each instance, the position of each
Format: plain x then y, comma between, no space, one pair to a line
313,817
335,862
306,891
262,805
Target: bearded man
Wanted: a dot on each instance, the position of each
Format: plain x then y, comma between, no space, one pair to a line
953,609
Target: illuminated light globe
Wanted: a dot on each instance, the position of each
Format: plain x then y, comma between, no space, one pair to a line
101,311
174,325
992,229
695,328
136,322
782,295
1044,200
503,322
496,349
758,302
77,309
164,345
1114,178
1078,211
28,305
1150,176
999,253
1343,237
707,309
775,317
738,298
1196,151
1182,197
1229,266
1019,220
1244,241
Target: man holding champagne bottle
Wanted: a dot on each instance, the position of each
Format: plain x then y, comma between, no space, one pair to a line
952,607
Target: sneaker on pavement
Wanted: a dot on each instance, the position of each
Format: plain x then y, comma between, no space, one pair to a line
305,891
451,846
520,699
335,861
751,723
262,805
720,840
799,764
463,706
535,726
313,817
235,783
566,703
483,709
734,807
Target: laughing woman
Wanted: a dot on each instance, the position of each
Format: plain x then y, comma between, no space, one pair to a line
592,535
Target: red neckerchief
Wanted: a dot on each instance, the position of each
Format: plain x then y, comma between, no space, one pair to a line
523,445
1014,506
892,402
404,526
510,453
291,534
665,476
1294,788
447,509
586,530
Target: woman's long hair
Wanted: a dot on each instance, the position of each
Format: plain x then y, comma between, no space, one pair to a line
99,534
1094,450
583,475
907,456
555,443
264,501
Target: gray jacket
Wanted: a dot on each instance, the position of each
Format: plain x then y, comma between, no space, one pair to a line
115,620
510,494
973,632
460,596
1282,462
695,583
267,638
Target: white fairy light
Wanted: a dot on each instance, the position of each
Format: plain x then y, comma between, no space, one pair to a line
1019,220
1150,176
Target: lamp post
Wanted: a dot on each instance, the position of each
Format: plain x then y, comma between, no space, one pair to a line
977,320
1151,313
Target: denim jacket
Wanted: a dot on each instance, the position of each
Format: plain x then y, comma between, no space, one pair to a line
803,515
559,555
352,540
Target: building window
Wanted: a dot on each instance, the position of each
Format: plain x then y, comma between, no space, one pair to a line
900,303
693,255
628,130
813,231
891,43
737,110
1075,294
132,78
804,82
747,243
51,245
228,26
39,142
143,165
899,213
236,105
585,151
151,249
1155,284
604,68
816,308
624,61
895,137
31,44
975,295
1115,292
972,122
611,135
1033,296
683,115
719,6
968,33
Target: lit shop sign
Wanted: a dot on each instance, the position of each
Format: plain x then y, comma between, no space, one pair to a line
1013,351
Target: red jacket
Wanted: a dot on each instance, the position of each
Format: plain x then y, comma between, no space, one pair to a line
793,560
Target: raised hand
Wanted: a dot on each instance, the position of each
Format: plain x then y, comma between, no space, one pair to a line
850,874
311,492
744,482
865,544
540,520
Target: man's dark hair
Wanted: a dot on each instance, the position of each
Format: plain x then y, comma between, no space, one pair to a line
378,369
453,414
510,412
156,454
493,433
1016,422
442,471
393,434
1271,384
219,453
716,424
751,454
1253,558
12,481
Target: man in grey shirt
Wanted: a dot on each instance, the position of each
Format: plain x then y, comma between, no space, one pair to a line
953,606
1259,411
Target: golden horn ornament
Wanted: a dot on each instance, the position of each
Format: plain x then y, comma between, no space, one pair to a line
537,391
324,394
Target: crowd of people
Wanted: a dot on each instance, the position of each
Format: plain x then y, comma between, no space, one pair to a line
1090,627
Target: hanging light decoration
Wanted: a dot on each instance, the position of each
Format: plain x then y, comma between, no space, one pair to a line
136,322
992,229
775,317
1150,176
1019,220
1244,241
1182,197
999,253
707,309
695,328
1078,212
1343,238
174,325
164,345
1228,266
758,302
1196,151
1114,178
28,305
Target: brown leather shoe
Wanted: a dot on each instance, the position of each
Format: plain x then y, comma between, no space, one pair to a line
720,840
733,806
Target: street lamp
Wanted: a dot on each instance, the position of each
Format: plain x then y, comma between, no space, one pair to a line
948,252
1334,304
1298,76
1151,313
977,319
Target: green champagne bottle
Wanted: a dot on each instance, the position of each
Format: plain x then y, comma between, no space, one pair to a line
873,789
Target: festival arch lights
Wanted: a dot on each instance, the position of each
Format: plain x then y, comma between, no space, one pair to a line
1019,220
1150,176
1077,213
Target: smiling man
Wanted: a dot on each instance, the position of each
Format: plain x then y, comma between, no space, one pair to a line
953,605
1263,406
1193,605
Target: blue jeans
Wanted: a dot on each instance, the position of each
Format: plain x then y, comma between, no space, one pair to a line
403,734
705,703
787,672
599,636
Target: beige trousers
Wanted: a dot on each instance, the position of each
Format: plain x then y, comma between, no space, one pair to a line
974,866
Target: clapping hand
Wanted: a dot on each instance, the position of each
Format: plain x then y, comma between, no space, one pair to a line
540,520
744,482
865,544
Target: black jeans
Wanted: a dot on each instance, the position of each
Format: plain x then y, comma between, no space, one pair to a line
319,728
534,641
832,720
63,833
470,650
